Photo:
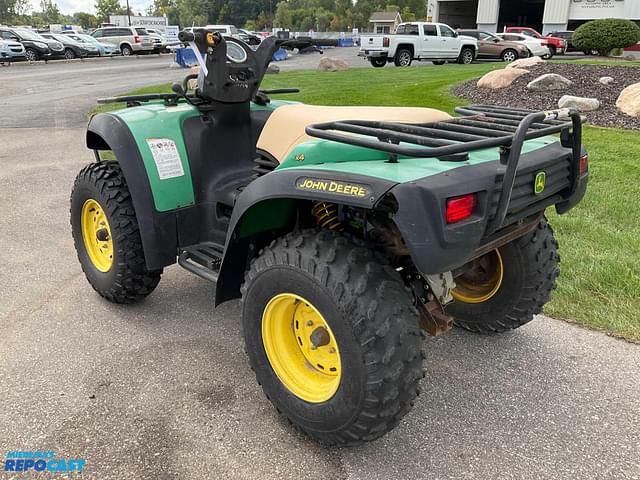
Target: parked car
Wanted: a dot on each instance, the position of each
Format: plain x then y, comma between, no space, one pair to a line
11,50
129,40
567,36
72,48
556,46
436,42
248,37
228,30
535,46
492,46
103,49
35,45
157,37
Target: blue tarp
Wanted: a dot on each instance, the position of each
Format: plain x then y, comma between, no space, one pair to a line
345,42
186,58
280,54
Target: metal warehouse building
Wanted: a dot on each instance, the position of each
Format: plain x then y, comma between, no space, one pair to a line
545,15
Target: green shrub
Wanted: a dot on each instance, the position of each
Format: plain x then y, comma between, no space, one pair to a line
605,35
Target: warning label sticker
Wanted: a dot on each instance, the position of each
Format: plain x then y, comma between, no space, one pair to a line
166,157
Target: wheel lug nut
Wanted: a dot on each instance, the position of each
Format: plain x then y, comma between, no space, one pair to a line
332,350
309,323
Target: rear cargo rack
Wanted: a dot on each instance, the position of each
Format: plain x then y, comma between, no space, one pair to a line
478,127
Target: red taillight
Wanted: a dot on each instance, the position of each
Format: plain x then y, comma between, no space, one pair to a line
385,41
584,164
136,39
460,208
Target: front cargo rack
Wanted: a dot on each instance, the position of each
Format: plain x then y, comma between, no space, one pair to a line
478,127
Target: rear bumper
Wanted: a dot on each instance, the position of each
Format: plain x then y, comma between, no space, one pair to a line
136,47
437,247
373,53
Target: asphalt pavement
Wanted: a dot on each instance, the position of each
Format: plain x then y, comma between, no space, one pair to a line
163,389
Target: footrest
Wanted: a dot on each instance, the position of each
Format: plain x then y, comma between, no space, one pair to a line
203,259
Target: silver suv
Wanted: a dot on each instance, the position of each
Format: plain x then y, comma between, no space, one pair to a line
128,39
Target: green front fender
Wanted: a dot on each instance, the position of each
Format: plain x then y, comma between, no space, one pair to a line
158,132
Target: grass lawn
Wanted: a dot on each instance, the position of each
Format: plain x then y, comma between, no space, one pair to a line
600,239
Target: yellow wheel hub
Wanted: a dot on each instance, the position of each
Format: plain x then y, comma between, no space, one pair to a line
301,348
482,281
96,235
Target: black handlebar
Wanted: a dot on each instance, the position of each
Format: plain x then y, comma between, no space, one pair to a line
186,36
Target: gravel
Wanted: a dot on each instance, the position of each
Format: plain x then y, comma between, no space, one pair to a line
585,84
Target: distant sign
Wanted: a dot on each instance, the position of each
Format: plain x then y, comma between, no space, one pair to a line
139,21
171,33
593,9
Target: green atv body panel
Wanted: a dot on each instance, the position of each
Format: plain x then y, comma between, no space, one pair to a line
326,156
156,122
150,124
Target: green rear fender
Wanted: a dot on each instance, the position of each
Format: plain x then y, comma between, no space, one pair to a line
268,208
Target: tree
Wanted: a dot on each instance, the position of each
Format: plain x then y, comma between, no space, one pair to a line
10,10
169,8
50,12
86,20
606,34
105,8
407,15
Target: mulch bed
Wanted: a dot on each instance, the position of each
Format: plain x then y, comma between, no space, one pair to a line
586,84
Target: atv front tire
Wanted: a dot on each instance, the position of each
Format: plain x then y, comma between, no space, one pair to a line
106,235
332,336
510,285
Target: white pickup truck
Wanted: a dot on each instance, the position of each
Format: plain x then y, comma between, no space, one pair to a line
436,42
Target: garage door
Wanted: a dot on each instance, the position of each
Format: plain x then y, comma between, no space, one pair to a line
458,14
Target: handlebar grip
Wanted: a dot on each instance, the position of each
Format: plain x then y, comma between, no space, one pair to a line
186,36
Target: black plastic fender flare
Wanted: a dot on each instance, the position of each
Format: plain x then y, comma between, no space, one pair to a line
294,184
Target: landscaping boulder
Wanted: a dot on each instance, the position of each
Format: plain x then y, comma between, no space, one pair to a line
501,78
329,64
549,81
606,80
629,100
526,62
582,104
272,68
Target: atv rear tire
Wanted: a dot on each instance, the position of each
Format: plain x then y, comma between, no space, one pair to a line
529,272
110,253
366,315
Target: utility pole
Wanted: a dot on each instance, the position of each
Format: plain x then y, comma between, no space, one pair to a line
128,13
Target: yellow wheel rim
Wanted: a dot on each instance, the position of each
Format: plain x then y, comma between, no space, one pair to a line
482,281
96,235
301,348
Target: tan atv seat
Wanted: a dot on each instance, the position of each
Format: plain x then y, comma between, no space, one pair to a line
285,127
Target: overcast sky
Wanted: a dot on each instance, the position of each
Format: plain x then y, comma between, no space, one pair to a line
72,6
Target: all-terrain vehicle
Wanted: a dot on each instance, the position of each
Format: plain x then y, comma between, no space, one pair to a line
345,231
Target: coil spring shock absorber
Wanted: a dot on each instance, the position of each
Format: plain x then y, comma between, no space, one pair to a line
327,216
